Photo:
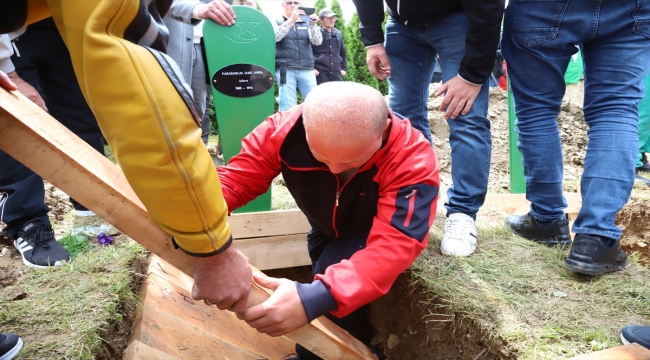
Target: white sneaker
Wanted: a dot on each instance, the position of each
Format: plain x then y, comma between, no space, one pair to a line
460,235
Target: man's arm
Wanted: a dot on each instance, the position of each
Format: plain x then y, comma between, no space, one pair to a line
344,55
481,45
282,30
10,77
193,11
315,36
371,17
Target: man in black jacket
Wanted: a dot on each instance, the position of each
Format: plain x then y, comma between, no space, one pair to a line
331,62
465,34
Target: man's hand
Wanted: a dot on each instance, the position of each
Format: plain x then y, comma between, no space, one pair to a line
295,15
459,98
219,11
314,18
223,280
27,90
316,72
282,313
6,83
343,72
378,62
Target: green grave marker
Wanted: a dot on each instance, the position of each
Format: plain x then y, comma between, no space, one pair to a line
241,70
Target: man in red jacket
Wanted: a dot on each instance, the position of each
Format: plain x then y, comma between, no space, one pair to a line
368,184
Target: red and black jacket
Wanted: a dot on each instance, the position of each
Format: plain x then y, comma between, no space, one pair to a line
394,195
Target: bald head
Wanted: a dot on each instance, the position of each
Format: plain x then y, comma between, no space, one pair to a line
342,112
344,123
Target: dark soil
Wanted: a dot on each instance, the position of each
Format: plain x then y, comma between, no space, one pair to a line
407,325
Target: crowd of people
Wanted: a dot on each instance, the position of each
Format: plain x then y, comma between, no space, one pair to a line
362,170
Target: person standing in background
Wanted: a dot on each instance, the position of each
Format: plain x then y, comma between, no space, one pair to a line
331,62
294,60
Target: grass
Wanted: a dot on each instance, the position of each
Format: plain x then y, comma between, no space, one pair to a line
65,312
521,296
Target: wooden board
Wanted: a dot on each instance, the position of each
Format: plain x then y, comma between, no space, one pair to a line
140,351
509,204
268,223
625,352
41,143
168,290
276,252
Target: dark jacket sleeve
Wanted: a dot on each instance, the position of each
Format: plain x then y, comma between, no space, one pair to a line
344,55
13,14
371,16
482,38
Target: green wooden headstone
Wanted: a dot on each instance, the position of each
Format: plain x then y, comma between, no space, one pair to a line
241,69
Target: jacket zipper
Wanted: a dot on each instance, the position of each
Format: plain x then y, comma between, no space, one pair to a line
409,214
336,203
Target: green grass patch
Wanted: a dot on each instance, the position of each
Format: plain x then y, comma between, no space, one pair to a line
519,293
65,312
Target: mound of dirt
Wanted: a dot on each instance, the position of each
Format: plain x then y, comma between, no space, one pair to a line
573,132
634,220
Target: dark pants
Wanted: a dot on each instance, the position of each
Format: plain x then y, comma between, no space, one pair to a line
325,251
324,77
43,61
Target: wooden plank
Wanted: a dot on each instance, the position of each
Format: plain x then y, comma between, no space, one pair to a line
268,223
167,333
141,351
41,143
165,296
509,204
304,335
276,252
625,352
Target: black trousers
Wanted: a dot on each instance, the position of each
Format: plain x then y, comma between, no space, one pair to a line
324,77
43,61
325,251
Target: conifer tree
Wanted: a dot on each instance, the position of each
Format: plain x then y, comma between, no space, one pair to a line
319,5
340,21
357,68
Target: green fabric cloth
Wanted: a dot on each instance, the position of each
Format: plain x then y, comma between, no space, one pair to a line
574,70
644,121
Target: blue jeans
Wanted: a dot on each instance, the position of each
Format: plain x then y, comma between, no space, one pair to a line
538,40
297,79
412,53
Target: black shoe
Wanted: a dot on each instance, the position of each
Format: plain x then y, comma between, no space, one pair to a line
38,246
10,345
636,334
645,165
80,210
589,256
555,233
639,178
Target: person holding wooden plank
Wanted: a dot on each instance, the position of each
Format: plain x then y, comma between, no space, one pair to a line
117,48
366,180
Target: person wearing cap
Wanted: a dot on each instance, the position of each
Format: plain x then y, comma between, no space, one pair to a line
330,56
294,60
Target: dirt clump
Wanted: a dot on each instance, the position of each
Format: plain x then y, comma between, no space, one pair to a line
634,220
